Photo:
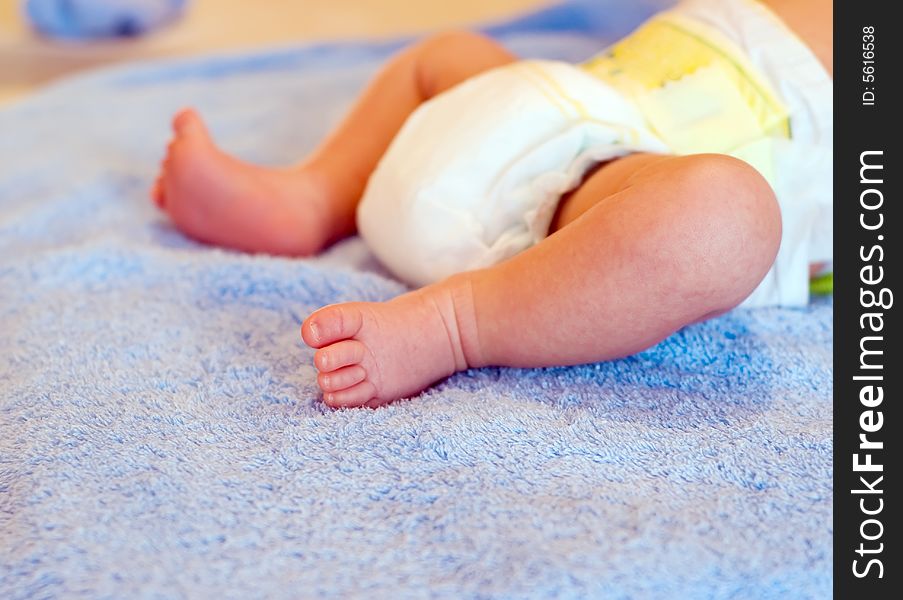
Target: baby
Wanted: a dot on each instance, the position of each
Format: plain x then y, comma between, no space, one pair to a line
549,213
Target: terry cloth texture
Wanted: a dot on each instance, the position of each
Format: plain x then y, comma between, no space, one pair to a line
161,433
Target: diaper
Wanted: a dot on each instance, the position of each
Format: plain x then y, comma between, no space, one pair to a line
803,162
475,174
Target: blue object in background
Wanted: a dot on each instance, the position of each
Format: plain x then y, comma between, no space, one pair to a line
587,17
93,19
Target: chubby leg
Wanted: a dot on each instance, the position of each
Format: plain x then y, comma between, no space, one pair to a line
297,211
666,242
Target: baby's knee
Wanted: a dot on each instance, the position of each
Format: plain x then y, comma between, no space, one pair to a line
743,210
456,40
737,220
447,58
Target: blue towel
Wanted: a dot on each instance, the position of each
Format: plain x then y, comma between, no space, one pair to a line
89,19
161,433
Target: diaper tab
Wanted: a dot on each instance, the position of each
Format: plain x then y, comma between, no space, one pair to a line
697,90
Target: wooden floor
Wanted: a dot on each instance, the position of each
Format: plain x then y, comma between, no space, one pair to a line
28,61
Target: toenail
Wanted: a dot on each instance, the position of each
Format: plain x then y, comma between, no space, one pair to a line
314,332
326,381
330,397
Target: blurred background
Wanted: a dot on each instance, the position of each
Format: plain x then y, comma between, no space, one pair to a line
43,40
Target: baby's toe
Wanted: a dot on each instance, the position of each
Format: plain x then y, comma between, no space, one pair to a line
157,194
357,395
341,379
338,355
331,324
185,121
191,130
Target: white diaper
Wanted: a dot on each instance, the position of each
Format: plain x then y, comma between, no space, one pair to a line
475,174
804,164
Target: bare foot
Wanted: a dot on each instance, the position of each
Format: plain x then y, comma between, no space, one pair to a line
221,200
371,353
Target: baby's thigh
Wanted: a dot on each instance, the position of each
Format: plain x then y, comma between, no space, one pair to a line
711,222
710,186
605,180
713,212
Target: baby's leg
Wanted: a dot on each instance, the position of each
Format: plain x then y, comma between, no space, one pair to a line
297,211
647,245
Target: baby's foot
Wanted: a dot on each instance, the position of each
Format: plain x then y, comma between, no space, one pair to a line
371,353
221,200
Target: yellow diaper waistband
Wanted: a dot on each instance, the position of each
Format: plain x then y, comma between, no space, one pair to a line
697,89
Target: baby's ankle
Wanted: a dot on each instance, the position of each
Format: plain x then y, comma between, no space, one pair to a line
453,298
338,192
